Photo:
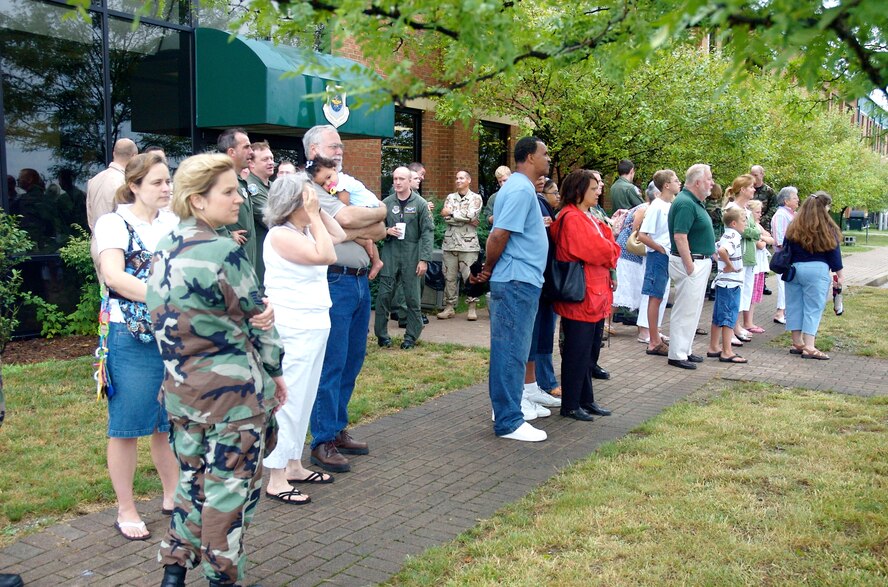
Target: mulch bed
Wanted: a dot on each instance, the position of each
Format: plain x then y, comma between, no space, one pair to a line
35,350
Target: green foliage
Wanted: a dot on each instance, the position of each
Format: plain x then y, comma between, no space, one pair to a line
53,321
14,242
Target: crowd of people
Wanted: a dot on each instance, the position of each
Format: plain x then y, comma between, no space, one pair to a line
238,304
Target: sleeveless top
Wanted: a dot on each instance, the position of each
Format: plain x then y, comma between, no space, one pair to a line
299,293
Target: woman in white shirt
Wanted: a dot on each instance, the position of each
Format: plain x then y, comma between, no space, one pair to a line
126,239
297,251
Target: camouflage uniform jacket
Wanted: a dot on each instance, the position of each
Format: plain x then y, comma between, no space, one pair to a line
766,195
461,234
201,294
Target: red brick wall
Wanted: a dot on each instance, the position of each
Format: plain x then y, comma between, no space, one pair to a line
445,148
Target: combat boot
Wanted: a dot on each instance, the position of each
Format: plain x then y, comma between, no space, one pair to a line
473,314
446,313
173,576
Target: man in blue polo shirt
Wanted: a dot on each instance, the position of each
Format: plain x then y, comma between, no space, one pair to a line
693,244
516,258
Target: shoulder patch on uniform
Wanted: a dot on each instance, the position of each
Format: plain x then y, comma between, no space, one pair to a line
253,189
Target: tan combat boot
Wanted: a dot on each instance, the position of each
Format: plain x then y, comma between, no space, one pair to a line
446,313
473,315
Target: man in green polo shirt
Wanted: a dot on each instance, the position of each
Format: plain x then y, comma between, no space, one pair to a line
693,244
623,193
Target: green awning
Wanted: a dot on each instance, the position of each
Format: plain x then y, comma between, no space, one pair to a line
239,83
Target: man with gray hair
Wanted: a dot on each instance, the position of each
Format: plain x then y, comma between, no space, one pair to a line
788,202
692,244
348,280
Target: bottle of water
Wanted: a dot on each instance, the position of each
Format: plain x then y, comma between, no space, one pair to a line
838,306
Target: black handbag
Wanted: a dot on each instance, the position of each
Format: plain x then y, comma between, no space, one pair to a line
781,261
565,281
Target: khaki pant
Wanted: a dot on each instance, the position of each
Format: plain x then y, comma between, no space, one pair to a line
457,264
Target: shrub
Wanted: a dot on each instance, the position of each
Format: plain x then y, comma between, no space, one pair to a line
14,242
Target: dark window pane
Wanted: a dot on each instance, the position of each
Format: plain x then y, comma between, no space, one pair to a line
52,97
150,87
403,148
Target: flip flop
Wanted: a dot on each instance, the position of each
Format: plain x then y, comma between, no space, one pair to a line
701,332
166,512
779,320
743,338
815,355
795,350
555,392
287,497
756,330
732,359
714,355
315,478
736,343
135,525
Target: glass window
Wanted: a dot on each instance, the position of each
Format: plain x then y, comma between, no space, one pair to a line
151,87
174,11
53,110
403,148
493,151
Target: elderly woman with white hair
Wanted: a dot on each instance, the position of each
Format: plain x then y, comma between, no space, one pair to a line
297,251
788,203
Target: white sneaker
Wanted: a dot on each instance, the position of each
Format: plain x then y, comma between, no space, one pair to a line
526,433
529,409
538,396
542,411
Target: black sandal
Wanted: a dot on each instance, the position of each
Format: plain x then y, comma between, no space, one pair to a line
315,477
287,496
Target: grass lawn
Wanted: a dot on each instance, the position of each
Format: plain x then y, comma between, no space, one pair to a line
744,484
859,330
876,238
52,446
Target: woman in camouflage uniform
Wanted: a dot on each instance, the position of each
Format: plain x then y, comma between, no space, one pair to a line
223,375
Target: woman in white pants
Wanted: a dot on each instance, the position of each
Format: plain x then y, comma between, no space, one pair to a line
788,203
297,251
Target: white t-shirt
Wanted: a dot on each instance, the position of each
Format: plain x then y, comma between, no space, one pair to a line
730,242
656,224
111,233
299,293
359,195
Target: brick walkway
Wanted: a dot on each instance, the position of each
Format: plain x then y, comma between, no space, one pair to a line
436,469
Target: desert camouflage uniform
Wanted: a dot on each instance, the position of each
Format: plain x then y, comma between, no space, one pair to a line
461,245
217,391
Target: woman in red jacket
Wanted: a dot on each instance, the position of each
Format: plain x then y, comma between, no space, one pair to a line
580,236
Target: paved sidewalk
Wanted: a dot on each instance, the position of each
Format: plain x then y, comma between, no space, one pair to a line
436,469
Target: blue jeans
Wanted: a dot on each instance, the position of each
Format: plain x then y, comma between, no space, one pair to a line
510,332
806,296
344,357
541,346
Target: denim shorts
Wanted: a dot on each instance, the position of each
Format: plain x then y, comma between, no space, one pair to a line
726,306
656,275
136,372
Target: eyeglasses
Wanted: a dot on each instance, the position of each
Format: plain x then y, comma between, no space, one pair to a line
336,146
552,192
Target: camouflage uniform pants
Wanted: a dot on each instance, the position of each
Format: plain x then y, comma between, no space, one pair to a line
220,480
457,264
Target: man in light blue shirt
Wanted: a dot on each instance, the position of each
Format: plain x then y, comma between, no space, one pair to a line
516,258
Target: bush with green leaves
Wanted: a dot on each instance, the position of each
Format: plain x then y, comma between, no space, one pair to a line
14,242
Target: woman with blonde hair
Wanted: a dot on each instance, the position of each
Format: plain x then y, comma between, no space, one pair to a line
738,195
223,374
814,240
126,240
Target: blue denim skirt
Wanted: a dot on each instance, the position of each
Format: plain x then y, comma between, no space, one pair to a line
136,372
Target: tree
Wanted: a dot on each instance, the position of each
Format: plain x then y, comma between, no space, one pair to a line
474,40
